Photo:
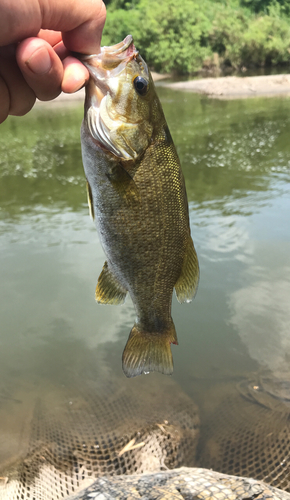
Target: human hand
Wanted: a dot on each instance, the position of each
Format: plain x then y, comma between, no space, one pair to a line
36,37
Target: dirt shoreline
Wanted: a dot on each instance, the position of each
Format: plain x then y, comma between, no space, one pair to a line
235,87
229,87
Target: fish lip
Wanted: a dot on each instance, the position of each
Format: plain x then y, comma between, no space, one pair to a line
112,50
119,47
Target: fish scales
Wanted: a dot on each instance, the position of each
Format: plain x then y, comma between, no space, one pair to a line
137,195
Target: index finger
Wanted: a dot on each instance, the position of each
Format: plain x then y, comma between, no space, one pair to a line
81,22
50,36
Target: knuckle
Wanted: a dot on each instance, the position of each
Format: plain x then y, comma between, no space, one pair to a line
4,100
16,97
22,102
47,94
22,108
47,87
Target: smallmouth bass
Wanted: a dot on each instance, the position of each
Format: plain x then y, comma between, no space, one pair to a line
137,197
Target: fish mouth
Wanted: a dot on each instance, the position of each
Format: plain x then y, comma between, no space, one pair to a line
124,50
105,69
110,62
126,45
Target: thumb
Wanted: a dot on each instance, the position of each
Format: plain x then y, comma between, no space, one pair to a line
81,22
86,38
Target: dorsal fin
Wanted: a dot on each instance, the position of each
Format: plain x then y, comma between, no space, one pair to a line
90,200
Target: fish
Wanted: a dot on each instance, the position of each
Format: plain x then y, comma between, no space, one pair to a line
137,198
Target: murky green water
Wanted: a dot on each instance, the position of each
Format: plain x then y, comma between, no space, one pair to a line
236,161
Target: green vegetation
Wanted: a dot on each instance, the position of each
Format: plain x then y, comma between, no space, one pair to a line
187,36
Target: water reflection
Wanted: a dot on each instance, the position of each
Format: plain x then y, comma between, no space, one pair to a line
260,308
236,157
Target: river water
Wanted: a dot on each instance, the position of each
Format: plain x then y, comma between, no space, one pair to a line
235,157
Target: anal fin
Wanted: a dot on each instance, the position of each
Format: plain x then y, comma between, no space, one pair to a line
187,282
109,290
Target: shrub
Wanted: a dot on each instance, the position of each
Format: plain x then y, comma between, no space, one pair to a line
267,41
181,37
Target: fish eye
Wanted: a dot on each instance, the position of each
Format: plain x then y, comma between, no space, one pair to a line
141,85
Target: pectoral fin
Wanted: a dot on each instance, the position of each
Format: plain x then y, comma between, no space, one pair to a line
109,290
186,285
124,185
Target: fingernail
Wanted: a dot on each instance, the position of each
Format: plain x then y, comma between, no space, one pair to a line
40,61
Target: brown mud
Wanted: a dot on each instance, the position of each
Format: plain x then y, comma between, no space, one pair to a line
235,87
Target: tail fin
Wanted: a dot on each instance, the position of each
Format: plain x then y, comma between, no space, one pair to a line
149,352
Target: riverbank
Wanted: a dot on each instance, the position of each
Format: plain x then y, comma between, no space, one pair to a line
228,87
234,87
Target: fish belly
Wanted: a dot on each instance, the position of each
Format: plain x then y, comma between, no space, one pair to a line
143,230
